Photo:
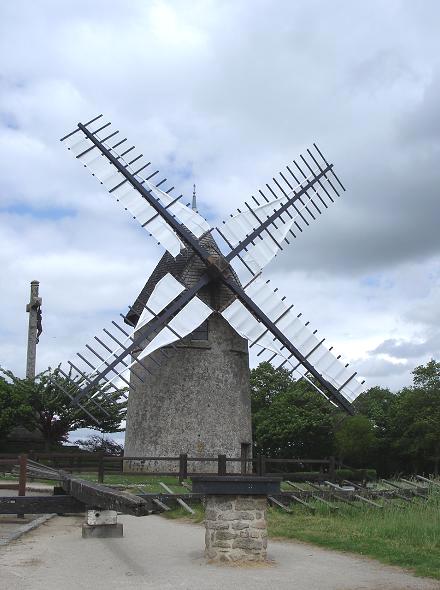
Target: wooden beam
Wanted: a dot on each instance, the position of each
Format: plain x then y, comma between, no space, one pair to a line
334,495
161,505
431,481
375,504
178,500
40,505
273,500
401,496
98,495
303,502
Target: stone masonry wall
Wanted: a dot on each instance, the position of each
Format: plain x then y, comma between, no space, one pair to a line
197,402
236,528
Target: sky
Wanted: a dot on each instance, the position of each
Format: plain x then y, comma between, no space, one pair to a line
224,94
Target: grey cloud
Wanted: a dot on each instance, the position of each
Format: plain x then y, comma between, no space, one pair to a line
374,368
403,349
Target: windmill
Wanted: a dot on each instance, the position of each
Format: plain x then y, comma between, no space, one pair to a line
228,260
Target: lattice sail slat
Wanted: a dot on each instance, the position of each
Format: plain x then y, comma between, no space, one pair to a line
287,207
299,333
127,195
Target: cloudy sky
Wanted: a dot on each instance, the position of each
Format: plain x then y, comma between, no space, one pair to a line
224,94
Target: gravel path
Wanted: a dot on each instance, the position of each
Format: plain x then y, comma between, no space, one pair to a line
162,555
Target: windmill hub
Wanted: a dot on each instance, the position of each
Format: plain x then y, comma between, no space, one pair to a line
218,266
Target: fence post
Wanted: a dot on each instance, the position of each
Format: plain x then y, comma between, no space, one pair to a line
101,468
332,469
221,462
183,466
261,465
22,478
244,456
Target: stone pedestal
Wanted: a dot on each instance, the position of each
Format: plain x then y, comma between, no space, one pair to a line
236,528
102,524
235,515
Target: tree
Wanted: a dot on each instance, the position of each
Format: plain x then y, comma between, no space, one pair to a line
52,412
15,408
290,419
378,405
101,444
415,425
355,440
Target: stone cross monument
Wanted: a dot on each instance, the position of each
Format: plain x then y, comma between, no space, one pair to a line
34,310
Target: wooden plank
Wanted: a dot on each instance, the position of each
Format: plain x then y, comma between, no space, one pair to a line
411,483
178,500
393,485
157,501
412,492
431,481
416,491
278,503
315,497
293,485
333,495
303,502
355,485
40,505
367,501
161,504
98,495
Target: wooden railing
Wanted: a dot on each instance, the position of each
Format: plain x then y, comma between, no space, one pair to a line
181,465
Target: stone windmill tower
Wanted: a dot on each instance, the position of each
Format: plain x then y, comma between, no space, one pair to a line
186,349
198,402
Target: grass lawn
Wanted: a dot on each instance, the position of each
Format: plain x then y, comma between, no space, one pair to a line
408,537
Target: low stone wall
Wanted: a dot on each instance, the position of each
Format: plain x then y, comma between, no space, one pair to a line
236,528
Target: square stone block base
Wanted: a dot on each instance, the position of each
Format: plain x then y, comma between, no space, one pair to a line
103,531
236,528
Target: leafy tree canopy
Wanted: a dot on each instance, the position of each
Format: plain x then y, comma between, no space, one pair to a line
101,444
355,439
290,419
48,408
15,408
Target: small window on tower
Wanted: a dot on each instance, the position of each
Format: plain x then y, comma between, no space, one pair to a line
200,333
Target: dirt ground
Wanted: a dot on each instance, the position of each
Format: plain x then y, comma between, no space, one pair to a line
160,554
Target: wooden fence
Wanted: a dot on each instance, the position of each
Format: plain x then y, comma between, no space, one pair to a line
183,465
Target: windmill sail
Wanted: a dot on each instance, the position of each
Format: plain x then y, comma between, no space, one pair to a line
287,207
96,153
306,341
164,292
183,323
